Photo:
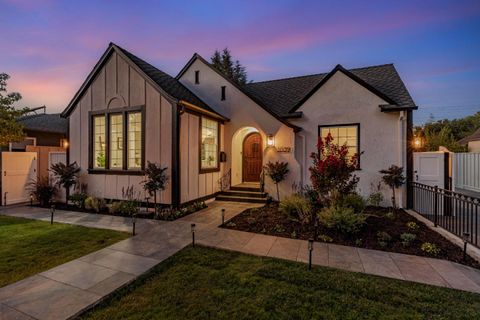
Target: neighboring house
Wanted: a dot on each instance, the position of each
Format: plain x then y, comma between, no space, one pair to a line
472,141
42,130
207,130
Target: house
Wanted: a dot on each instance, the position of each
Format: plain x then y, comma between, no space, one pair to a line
472,141
211,132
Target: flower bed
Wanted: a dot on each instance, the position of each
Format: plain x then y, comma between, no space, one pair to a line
381,231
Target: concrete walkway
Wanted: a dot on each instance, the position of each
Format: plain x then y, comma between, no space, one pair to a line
69,289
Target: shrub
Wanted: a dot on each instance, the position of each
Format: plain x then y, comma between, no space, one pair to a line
279,229
358,242
332,169
354,201
66,175
383,238
94,203
430,248
342,219
78,199
394,178
297,208
407,239
277,171
156,180
376,196
412,225
325,238
390,215
42,190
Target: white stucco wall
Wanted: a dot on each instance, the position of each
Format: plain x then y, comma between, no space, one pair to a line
243,112
382,135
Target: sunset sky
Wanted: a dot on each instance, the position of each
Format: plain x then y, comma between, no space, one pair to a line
48,47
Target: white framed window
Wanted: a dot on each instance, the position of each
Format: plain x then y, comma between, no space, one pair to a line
209,144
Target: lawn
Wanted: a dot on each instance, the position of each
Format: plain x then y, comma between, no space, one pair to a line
30,246
204,283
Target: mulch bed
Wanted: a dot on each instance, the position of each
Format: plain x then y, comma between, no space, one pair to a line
269,220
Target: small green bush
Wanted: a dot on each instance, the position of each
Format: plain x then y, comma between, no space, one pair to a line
390,215
430,248
325,238
94,203
359,242
412,225
279,229
375,199
342,219
407,239
383,238
354,201
297,208
78,199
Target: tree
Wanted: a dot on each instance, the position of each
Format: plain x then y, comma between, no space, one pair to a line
156,180
223,62
66,175
332,173
277,171
394,178
10,129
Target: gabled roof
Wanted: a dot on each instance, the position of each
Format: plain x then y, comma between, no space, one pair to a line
52,123
239,87
473,137
284,96
173,89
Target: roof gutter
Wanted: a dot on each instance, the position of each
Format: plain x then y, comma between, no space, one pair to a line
195,108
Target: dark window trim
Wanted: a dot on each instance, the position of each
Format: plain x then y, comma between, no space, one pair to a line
197,76
107,113
217,168
223,93
357,124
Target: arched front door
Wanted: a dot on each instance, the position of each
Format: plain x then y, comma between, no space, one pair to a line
252,157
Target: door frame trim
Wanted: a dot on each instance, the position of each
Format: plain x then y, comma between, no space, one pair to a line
243,152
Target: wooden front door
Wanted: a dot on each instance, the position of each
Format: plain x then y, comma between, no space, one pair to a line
252,157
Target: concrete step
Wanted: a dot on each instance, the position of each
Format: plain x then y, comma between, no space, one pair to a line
242,193
241,199
242,188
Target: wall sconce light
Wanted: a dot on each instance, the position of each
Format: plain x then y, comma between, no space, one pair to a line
64,143
418,142
270,140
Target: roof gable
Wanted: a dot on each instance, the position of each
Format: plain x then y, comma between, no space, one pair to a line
168,86
475,136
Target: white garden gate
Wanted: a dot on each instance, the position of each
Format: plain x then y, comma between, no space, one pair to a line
18,169
431,168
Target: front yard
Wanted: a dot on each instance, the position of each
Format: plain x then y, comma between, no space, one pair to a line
29,246
204,283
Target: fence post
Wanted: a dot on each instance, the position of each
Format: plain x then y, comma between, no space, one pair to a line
435,206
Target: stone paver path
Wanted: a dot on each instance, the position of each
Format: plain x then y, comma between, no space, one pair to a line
66,290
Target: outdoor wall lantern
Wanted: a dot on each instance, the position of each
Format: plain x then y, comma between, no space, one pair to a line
64,143
270,140
418,142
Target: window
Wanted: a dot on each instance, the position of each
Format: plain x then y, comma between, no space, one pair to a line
347,134
99,141
223,93
209,137
117,140
197,77
134,140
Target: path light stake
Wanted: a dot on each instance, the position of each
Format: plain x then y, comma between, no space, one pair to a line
31,200
466,235
223,217
193,234
52,211
133,225
310,249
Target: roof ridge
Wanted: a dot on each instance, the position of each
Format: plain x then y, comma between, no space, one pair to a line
322,73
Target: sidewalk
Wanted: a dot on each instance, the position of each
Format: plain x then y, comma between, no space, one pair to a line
67,290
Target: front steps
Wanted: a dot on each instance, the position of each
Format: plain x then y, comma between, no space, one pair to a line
244,193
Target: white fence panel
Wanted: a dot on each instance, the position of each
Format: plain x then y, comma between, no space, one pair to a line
467,171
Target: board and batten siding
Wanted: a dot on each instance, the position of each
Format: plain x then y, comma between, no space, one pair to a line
194,185
118,85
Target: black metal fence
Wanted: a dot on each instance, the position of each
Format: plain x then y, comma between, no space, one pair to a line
455,212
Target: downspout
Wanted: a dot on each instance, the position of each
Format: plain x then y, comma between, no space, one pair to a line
176,112
402,146
409,148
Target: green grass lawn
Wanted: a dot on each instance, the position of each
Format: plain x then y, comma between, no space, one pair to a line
30,246
204,283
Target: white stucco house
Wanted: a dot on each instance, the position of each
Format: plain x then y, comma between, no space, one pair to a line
212,133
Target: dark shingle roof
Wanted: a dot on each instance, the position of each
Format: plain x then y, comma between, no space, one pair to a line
168,83
53,123
473,137
282,95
